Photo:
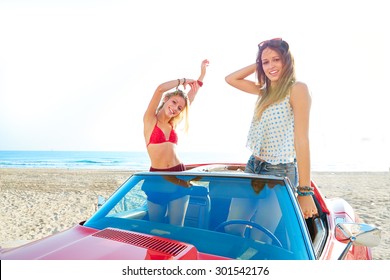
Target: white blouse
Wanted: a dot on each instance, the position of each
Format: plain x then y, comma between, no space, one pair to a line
272,137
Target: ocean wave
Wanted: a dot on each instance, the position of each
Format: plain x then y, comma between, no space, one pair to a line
42,159
140,160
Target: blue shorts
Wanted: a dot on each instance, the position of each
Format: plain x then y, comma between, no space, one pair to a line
165,198
288,170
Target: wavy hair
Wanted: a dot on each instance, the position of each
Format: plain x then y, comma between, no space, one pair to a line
270,95
183,114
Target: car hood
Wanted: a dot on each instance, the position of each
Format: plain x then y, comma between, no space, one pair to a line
81,243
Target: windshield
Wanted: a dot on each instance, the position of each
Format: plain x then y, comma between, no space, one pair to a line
234,217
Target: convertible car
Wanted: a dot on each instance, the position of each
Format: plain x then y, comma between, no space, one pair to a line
209,212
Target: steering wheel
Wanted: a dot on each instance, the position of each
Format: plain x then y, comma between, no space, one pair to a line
251,224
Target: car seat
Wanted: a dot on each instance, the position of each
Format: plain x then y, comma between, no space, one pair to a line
198,211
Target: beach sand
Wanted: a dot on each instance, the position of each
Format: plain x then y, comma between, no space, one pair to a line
35,203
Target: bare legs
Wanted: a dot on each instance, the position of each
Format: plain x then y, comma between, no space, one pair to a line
174,209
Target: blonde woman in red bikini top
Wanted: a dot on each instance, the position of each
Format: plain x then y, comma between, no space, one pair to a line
164,112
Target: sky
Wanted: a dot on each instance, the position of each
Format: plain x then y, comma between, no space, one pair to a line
79,74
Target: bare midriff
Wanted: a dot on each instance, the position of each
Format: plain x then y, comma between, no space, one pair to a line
163,155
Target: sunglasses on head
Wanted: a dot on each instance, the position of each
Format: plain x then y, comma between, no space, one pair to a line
277,42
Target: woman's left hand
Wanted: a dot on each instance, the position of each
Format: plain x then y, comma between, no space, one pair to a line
308,207
194,89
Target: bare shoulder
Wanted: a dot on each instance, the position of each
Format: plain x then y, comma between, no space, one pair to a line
299,87
300,96
300,90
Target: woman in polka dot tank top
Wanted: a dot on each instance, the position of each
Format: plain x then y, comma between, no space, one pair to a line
279,132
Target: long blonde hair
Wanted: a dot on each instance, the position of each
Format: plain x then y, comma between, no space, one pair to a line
183,114
270,95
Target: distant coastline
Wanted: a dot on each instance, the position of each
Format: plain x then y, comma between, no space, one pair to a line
138,160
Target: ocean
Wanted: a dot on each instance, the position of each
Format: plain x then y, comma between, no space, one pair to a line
97,160
140,160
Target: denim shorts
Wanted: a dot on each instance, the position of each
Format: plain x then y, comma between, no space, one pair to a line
288,170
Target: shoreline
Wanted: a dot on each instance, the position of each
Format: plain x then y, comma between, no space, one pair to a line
37,202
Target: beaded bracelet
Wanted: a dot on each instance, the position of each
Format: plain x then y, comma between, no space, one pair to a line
304,193
305,188
307,191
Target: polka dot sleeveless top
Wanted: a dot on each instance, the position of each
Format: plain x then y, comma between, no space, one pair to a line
272,137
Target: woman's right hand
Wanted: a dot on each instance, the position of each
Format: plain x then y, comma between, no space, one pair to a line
238,79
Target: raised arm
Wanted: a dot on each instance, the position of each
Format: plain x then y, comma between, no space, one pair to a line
195,86
203,67
156,98
238,79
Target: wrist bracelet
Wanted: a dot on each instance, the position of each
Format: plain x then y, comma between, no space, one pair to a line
200,83
304,193
307,191
305,188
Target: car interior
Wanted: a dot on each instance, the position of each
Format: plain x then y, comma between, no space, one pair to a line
207,212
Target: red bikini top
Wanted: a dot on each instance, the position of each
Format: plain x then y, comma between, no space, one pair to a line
158,136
